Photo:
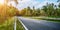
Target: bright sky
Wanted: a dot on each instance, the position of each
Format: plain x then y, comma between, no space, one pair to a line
37,3
1,1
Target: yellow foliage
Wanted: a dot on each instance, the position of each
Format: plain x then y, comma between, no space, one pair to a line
6,12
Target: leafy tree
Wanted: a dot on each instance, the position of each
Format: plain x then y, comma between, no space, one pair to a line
33,12
28,11
23,12
45,8
38,12
58,0
49,8
59,5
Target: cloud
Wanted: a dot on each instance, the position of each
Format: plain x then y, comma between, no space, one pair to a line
31,3
37,3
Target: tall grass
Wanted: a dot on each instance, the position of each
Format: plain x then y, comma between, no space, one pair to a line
8,24
19,26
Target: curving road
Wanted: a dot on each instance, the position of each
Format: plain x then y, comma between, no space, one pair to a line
33,24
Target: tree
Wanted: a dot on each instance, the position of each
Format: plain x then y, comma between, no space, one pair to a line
59,5
58,11
28,11
38,12
45,8
6,12
23,12
58,0
33,11
48,9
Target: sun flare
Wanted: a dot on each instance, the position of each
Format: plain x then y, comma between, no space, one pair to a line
1,1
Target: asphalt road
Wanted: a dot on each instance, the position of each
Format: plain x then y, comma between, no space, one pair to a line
33,24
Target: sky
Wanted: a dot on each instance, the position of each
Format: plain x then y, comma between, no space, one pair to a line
37,3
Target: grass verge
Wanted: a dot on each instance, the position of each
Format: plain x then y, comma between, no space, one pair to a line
8,24
54,16
47,19
19,26
52,20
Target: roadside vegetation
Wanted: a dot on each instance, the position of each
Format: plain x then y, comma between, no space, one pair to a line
8,24
19,26
47,19
7,14
48,10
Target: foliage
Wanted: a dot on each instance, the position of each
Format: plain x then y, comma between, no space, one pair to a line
46,10
8,24
19,26
6,12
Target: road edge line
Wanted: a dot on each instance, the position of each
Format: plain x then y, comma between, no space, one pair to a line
23,25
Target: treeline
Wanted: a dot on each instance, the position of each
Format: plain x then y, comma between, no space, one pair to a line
46,10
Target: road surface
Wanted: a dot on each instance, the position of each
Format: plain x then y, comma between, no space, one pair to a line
33,24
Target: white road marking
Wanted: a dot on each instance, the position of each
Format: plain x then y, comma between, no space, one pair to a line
15,24
23,25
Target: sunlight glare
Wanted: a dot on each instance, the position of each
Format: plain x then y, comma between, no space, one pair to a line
1,1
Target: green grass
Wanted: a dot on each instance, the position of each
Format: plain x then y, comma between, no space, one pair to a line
8,24
54,16
8,27
47,19
19,26
52,20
